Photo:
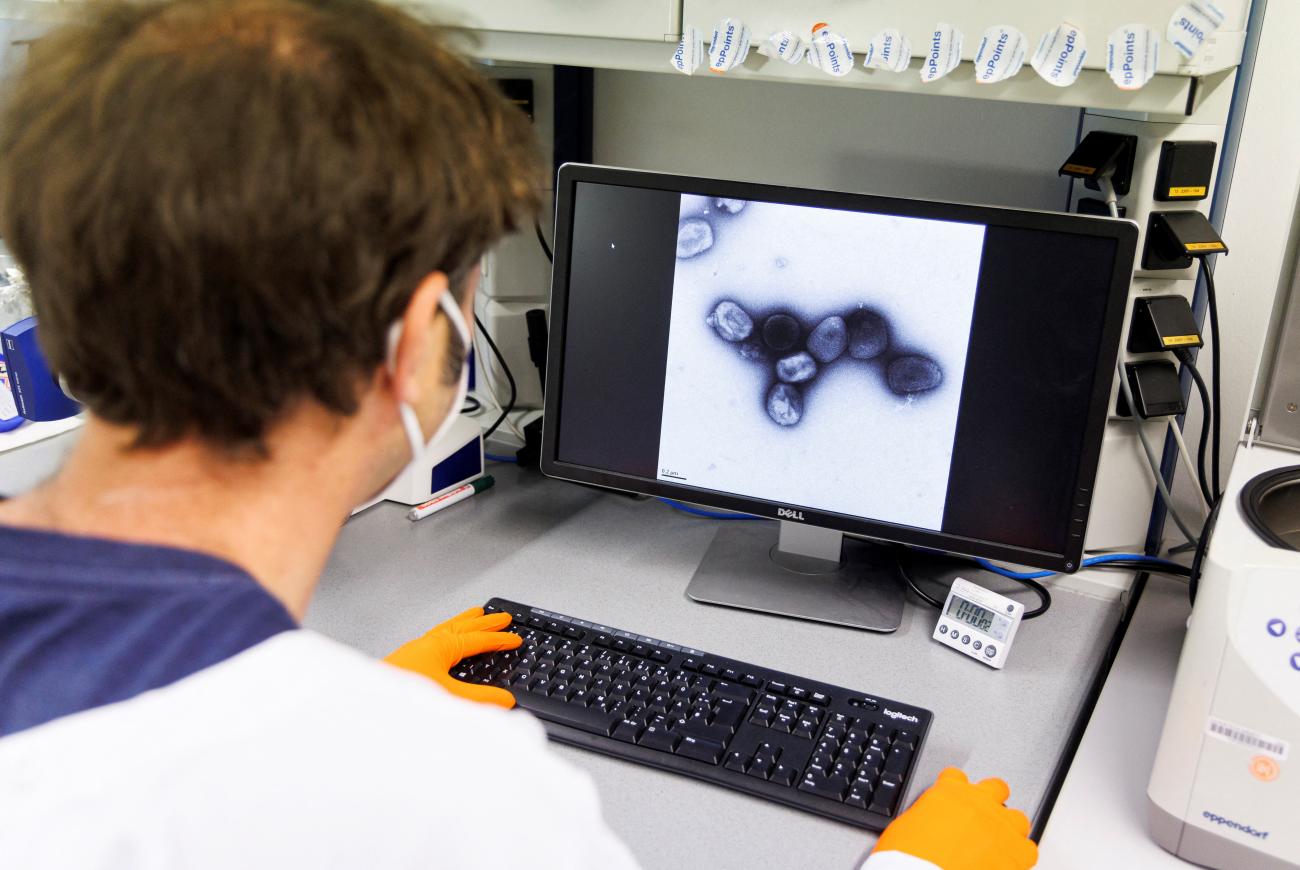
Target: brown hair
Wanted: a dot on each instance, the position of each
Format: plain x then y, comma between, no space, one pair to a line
222,204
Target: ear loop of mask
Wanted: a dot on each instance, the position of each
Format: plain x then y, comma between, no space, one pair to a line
410,422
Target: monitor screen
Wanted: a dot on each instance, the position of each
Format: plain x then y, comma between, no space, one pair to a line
919,372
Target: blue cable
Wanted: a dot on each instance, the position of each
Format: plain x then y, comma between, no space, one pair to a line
1087,563
492,457
697,512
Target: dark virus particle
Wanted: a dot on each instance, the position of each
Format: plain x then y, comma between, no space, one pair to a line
913,373
781,332
729,206
797,368
829,339
730,321
753,351
868,334
694,237
785,404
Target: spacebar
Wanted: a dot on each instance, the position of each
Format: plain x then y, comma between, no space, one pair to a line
553,710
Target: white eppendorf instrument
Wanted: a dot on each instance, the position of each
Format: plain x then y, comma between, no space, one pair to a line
979,622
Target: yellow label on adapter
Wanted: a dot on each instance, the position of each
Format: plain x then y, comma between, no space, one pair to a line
1177,340
1083,170
1205,246
1187,191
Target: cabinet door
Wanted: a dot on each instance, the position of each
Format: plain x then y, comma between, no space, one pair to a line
656,20
859,21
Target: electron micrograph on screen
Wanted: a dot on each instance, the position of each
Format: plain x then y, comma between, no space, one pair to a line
816,356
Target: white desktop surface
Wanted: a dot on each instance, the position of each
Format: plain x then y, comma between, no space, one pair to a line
1100,816
626,563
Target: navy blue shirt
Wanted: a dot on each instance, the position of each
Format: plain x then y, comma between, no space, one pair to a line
86,621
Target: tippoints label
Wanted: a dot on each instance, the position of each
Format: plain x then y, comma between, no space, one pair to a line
943,52
690,52
1000,55
785,46
1132,56
830,52
729,46
1192,24
1060,55
890,50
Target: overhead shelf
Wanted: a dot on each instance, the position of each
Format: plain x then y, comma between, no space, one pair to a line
1165,94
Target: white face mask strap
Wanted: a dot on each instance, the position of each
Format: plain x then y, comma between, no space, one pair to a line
410,422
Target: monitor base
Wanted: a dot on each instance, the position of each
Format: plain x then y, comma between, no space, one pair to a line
797,572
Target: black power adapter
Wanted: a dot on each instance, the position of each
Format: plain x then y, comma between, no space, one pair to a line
1176,238
1156,390
1103,155
1162,323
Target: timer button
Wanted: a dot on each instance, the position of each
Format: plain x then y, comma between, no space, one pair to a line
1295,661
1276,627
990,650
965,638
943,629
977,644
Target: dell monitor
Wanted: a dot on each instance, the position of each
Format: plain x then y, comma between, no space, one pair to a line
920,373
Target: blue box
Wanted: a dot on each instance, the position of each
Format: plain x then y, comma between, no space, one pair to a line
36,391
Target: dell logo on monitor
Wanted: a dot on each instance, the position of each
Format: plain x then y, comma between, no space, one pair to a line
787,514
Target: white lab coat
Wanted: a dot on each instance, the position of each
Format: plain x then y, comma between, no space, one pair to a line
301,752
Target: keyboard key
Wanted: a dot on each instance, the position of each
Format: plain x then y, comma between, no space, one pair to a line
732,690
728,712
640,649
710,669
628,729
691,665
885,798
905,739
593,719
701,749
660,656
783,774
777,688
898,760
805,728
784,722
736,761
762,764
831,788
798,693
657,736
537,623
752,681
859,795
572,632
698,728
731,674
819,698
621,644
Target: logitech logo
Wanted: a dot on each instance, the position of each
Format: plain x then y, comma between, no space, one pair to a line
932,63
894,714
788,514
991,67
1064,56
1236,826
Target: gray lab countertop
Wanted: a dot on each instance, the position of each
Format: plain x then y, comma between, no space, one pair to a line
626,563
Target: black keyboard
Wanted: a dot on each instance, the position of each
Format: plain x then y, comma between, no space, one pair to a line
813,746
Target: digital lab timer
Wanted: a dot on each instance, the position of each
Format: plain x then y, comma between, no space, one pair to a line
979,622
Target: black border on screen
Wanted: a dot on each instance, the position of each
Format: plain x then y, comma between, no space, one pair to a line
1124,233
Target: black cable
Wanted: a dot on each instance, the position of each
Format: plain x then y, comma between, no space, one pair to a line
1207,415
541,238
1044,597
510,378
1202,546
1216,376
471,405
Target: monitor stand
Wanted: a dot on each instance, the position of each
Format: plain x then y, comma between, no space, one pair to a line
801,571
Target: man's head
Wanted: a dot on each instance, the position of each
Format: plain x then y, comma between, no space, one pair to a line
223,205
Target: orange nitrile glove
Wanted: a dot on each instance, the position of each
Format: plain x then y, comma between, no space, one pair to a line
957,825
442,648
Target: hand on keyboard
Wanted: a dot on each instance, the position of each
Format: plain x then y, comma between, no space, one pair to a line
437,652
957,825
